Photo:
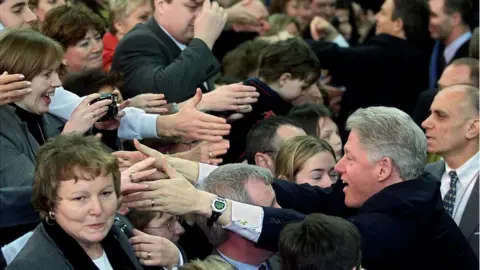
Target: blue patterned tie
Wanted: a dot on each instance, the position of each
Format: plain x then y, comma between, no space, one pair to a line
449,199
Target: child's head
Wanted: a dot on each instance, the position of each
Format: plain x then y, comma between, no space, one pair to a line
290,67
94,81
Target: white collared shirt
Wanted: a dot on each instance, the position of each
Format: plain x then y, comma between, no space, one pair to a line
453,47
181,46
241,266
467,175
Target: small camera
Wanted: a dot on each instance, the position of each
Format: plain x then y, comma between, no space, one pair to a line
112,107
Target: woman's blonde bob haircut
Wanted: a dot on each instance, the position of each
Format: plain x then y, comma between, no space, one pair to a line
28,52
295,151
67,157
212,262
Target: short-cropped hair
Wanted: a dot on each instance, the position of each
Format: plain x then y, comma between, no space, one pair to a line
28,52
307,116
262,137
292,56
391,133
320,242
68,24
68,157
229,181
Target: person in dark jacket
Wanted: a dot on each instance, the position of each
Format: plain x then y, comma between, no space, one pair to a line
384,192
391,69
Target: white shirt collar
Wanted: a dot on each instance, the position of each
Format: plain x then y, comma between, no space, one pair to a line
241,266
1,27
180,45
453,47
466,173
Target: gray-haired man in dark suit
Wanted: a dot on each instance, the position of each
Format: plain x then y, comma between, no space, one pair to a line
452,132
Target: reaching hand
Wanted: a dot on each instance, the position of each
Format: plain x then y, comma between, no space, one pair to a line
210,22
321,29
207,152
13,88
238,13
114,123
232,97
151,103
191,124
175,195
154,250
135,173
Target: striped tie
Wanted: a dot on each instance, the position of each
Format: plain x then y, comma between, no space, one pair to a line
449,199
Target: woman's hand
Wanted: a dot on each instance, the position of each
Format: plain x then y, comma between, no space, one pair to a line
154,250
128,158
206,152
86,115
233,97
114,123
13,88
151,103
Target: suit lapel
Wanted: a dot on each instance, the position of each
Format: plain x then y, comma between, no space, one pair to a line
470,217
172,47
52,126
438,169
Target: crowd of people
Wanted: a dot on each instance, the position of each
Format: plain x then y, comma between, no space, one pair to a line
239,134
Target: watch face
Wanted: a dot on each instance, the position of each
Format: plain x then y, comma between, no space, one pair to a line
219,205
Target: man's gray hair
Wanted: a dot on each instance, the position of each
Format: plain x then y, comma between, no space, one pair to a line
389,132
229,181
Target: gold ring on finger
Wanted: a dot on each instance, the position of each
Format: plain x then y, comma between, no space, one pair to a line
153,203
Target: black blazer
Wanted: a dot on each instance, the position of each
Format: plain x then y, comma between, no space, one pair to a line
386,71
151,62
404,226
425,99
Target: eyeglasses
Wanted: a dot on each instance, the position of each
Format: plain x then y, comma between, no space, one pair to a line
169,224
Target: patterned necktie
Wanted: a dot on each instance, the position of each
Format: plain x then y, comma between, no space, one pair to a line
449,199
262,267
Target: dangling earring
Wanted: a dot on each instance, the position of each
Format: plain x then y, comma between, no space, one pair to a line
50,219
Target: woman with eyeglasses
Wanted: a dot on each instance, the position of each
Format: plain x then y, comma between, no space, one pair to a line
306,159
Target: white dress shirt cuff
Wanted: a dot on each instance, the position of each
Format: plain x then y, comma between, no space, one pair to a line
340,41
247,221
136,124
203,171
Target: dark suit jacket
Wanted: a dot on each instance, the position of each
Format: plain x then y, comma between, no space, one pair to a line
404,226
469,223
385,71
425,100
151,62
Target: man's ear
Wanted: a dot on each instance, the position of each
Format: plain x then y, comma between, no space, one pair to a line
284,78
384,169
264,161
283,177
472,131
456,18
160,5
120,27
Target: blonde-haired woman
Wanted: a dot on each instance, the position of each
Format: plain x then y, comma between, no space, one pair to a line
124,15
306,159
212,262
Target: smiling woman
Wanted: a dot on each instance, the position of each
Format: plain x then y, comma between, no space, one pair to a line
80,32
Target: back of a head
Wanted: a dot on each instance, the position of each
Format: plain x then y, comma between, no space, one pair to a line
415,15
391,133
121,9
28,52
262,136
279,22
212,262
307,116
320,242
292,56
229,182
472,65
69,24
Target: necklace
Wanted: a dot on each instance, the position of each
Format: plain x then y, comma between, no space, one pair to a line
41,132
